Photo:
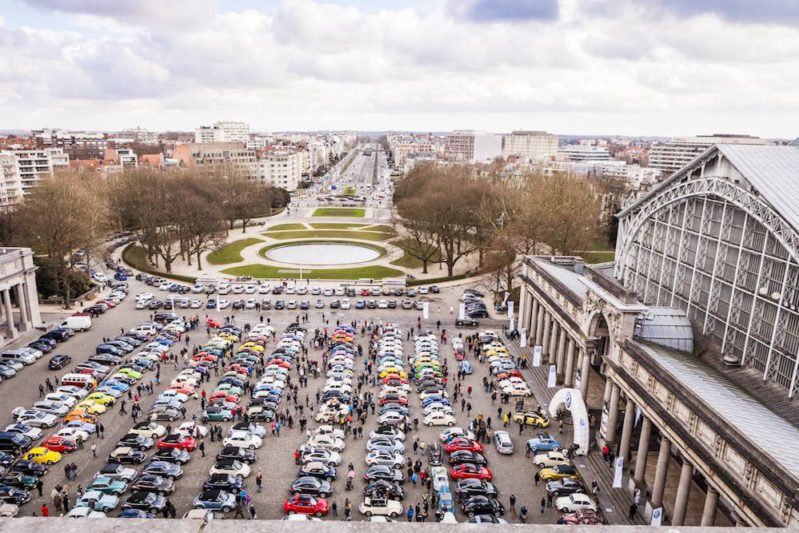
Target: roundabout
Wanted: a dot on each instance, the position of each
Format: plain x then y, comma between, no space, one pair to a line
320,253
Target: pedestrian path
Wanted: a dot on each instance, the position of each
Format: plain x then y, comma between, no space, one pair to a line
614,503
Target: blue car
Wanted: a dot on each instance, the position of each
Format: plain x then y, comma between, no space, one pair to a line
466,367
435,399
215,500
543,442
116,384
135,513
211,304
360,304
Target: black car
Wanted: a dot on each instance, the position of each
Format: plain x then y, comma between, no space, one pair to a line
381,488
244,455
476,505
136,441
474,292
477,313
42,345
13,495
335,304
172,455
129,339
153,483
434,289
305,305
562,487
392,304
238,304
145,501
224,482
19,480
57,362
280,305
467,488
109,349
277,289
384,472
466,456
434,453
467,322
105,359
29,468
311,485
58,334
130,457
163,468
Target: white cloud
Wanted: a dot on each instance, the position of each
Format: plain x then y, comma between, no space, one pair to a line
312,64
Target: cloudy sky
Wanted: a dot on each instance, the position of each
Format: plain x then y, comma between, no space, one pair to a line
636,67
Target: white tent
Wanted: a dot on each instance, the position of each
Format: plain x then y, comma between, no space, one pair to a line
572,400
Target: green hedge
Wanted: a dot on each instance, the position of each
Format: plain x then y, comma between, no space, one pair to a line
136,257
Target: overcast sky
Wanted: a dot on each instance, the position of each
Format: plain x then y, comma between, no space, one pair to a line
645,67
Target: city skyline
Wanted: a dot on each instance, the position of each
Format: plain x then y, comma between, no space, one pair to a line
573,66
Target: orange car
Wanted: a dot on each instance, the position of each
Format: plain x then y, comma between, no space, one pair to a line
81,415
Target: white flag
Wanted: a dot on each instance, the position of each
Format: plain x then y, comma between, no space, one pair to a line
426,310
553,376
657,516
523,337
536,356
619,473
461,311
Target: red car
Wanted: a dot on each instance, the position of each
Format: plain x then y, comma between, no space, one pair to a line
281,363
366,292
306,504
225,396
402,400
394,380
59,444
177,441
470,471
509,373
184,388
459,444
460,356
204,356
211,323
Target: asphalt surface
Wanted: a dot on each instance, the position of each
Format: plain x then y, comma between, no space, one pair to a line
512,474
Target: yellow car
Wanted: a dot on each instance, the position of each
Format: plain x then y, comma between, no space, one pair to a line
531,418
393,371
497,351
100,398
43,456
558,472
252,346
228,337
91,407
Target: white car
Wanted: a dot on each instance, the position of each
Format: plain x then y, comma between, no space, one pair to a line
346,304
144,296
62,397
381,457
328,292
438,418
515,390
574,502
73,434
264,289
34,418
327,441
503,443
24,429
250,304
456,432
325,430
243,439
172,394
76,392
544,460
222,303
52,407
85,512
380,507
439,477
392,417
320,455
382,304
437,407
190,429
148,429
234,468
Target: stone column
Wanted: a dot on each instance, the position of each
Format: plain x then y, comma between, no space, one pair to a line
531,331
12,329
568,377
528,310
561,353
709,511
553,341
643,451
545,337
24,312
613,415
627,430
522,310
660,472
585,370
539,328
683,491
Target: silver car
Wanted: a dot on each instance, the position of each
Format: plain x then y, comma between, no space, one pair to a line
503,442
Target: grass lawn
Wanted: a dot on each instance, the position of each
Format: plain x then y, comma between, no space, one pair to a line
385,228
329,225
329,234
284,227
407,261
232,252
266,271
350,212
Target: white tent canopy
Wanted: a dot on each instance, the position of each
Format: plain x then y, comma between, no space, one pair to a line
572,400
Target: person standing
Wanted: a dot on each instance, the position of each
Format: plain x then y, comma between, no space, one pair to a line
259,479
39,486
513,504
543,505
45,511
202,448
633,511
253,516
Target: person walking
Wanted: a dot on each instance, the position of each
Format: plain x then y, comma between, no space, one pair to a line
334,508
259,479
512,504
253,516
633,511
202,448
543,505
94,450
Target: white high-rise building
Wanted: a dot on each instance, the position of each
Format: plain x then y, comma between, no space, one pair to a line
530,145
10,182
281,169
578,153
223,131
472,146
21,170
672,156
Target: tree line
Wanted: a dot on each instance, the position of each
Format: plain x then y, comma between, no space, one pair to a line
450,212
173,214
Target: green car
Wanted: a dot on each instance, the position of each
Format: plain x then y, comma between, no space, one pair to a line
20,480
214,413
436,372
107,485
230,389
132,374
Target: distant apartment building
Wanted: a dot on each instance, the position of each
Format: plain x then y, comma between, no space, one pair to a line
580,153
530,145
672,156
635,177
139,135
10,182
403,147
472,146
119,159
21,170
281,169
212,156
76,144
223,132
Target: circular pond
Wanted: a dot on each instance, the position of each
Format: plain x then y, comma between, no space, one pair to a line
321,253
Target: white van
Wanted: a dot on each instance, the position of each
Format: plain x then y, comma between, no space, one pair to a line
78,322
22,356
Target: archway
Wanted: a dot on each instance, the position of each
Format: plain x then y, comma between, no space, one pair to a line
572,400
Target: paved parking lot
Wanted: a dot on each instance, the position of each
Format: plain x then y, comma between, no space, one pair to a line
512,474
